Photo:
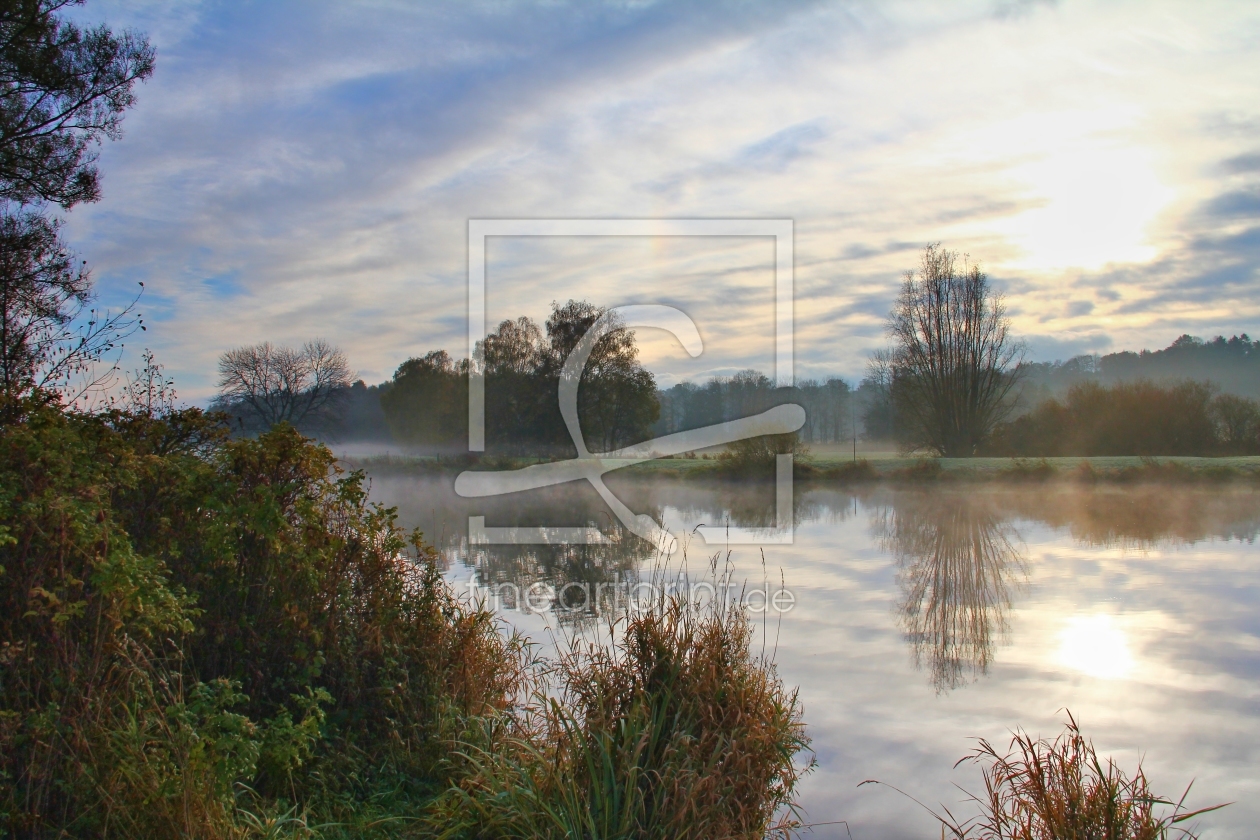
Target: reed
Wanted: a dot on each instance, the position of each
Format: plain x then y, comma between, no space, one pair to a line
1038,789
676,729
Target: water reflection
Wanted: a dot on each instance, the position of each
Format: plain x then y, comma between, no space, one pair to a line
1140,516
958,567
576,583
1133,606
957,571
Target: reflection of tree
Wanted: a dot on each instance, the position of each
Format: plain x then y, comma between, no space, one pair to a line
608,570
743,503
958,569
1142,516
580,582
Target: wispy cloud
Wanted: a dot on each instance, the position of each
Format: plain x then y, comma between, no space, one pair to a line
301,169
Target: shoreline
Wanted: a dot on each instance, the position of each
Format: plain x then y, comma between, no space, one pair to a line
893,470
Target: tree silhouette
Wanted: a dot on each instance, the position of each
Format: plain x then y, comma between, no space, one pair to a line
953,362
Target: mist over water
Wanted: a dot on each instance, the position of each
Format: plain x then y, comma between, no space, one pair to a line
926,618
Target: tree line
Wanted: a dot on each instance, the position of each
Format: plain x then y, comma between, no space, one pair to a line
952,382
425,403
1133,418
829,410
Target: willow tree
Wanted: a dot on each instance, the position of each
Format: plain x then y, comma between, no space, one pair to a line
953,361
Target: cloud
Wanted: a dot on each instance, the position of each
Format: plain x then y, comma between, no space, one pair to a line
1242,163
1237,204
309,169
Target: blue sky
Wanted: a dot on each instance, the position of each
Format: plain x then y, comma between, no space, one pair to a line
296,170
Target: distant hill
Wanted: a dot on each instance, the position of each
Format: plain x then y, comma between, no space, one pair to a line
1232,365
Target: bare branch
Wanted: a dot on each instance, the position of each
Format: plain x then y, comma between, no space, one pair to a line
265,385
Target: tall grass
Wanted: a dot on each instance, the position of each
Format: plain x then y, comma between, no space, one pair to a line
1039,789
674,730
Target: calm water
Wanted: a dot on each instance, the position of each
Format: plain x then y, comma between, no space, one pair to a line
924,619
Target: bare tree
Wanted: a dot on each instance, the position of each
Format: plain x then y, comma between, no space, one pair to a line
953,360
265,385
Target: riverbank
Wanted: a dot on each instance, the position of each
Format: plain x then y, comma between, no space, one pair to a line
875,467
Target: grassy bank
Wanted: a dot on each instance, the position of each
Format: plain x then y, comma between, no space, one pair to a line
878,467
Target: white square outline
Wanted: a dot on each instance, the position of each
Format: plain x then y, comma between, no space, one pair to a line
780,229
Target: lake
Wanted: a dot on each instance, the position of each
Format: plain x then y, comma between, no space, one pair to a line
926,617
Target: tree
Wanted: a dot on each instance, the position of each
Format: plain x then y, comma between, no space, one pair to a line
1237,423
265,385
617,401
41,290
62,90
149,392
953,359
875,397
50,337
518,400
426,403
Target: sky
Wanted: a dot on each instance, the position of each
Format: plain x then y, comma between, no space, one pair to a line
297,170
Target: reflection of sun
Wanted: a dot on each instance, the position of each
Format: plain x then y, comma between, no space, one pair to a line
1095,645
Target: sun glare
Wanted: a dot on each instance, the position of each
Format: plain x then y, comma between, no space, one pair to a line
1097,203
1095,645
1086,184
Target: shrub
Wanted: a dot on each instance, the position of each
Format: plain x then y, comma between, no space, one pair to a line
1237,424
1061,790
181,614
859,470
760,453
675,731
1026,470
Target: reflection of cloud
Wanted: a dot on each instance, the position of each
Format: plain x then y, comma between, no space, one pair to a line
958,568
